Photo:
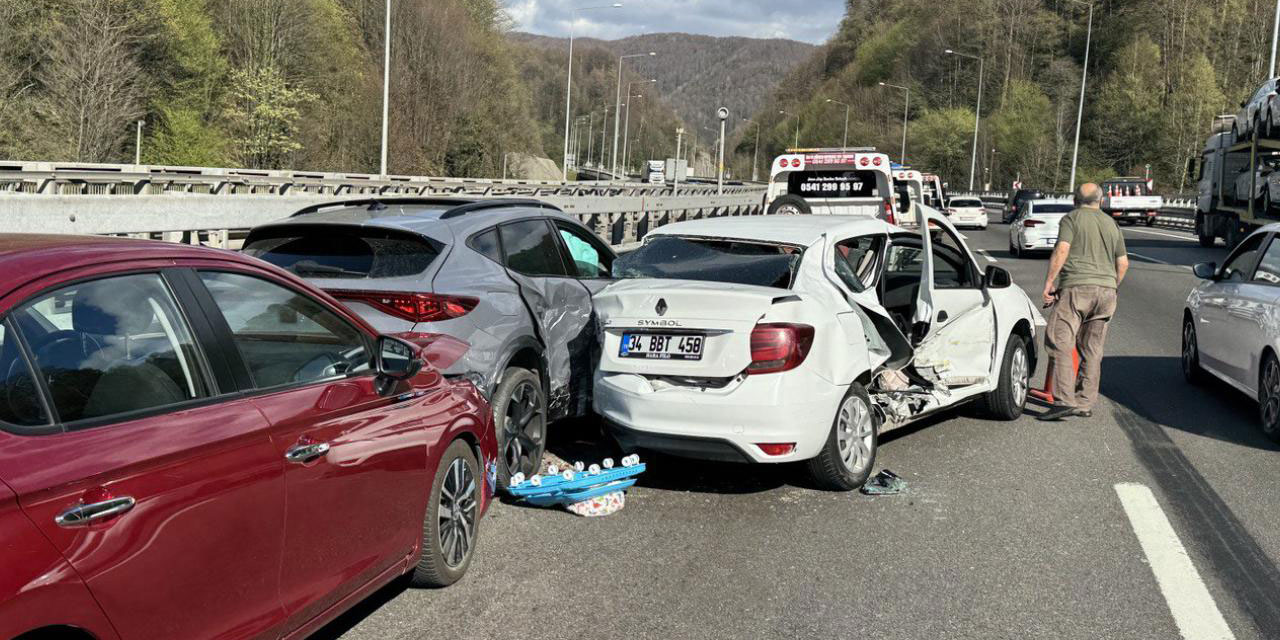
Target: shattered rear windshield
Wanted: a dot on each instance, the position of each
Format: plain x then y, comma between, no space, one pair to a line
729,261
337,251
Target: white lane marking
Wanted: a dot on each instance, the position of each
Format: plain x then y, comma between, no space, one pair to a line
983,253
1167,235
1194,611
1135,253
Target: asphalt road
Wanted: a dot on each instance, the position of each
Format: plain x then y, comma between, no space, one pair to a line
1008,530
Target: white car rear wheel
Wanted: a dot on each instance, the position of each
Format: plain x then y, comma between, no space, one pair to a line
845,462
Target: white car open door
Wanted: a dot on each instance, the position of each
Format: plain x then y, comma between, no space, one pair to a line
959,333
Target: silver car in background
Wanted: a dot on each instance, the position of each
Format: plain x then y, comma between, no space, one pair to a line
512,278
1259,114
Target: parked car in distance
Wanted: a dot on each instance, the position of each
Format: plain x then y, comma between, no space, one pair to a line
1016,201
195,444
967,211
1036,227
802,339
1258,113
1262,186
512,278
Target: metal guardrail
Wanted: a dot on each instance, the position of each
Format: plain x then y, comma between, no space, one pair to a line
1178,213
54,178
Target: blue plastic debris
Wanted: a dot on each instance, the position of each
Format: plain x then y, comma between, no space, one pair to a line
576,484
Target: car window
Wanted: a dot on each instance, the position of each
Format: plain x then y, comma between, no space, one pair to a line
20,402
1268,271
856,260
125,348
283,336
486,244
531,249
587,257
346,252
951,268
966,202
1240,264
728,261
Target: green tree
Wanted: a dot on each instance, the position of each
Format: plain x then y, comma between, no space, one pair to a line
1021,131
262,115
942,141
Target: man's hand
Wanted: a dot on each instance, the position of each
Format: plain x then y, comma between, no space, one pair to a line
1059,258
1050,296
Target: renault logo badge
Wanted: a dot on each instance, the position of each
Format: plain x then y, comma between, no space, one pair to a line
662,307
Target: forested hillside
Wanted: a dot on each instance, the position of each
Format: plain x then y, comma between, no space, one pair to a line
698,74
1159,71
290,84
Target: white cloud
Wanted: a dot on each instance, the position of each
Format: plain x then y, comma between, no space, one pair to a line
816,22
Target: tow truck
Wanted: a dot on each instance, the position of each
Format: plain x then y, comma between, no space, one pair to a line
1130,201
832,181
1224,165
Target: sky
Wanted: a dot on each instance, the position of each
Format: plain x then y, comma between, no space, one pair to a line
751,18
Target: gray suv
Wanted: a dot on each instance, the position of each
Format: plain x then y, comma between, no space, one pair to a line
512,278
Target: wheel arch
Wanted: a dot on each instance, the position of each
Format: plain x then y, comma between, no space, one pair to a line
1022,328
526,353
57,632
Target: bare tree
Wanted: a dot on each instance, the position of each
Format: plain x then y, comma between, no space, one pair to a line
94,84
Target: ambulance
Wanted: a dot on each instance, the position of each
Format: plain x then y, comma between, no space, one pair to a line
834,181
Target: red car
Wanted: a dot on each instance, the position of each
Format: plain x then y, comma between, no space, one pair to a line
196,444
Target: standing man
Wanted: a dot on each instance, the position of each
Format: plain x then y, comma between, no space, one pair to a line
1087,266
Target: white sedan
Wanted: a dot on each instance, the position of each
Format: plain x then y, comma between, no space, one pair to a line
770,340
1231,325
967,211
1035,228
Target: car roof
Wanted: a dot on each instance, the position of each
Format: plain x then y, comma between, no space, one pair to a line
1051,201
803,230
29,256
420,215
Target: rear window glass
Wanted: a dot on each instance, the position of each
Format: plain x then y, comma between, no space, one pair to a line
1051,208
344,252
728,261
966,202
834,184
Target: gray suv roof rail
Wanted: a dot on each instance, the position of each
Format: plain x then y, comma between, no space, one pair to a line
495,203
381,203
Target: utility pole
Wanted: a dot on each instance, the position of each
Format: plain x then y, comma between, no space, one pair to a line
1084,78
977,115
568,89
386,87
137,146
723,114
617,106
675,164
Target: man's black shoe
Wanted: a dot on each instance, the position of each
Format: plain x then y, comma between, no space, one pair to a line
1084,413
1057,413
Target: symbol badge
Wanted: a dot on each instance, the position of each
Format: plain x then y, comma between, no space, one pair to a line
662,307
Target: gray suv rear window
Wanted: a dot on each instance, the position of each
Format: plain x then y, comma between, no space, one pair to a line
327,251
766,265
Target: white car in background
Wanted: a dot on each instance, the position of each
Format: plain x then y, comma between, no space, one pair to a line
1035,228
1231,325
771,340
967,211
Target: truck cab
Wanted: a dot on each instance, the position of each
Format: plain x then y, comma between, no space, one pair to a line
837,181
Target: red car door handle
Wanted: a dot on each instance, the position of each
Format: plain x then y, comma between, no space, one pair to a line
304,453
84,514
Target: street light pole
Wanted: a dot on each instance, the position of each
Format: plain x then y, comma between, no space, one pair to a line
906,112
1275,35
626,147
797,116
617,105
723,114
386,87
137,147
845,143
977,116
568,90
1084,78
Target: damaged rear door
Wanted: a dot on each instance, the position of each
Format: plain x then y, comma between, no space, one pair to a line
955,315
560,307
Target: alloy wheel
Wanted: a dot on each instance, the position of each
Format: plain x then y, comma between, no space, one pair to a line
523,430
855,434
788,210
457,513
1188,349
1269,396
1019,376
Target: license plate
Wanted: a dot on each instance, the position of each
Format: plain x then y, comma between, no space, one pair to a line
661,346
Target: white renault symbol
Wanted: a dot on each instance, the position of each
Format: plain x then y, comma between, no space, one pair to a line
781,339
